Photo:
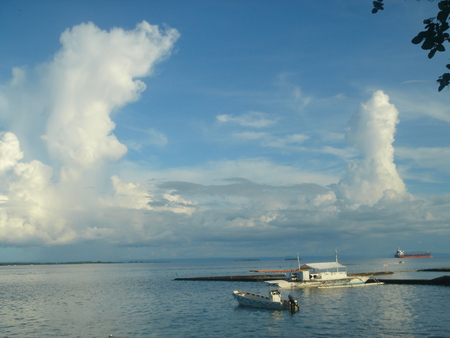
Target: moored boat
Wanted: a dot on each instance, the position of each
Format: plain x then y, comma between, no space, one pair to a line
321,275
316,275
402,254
273,302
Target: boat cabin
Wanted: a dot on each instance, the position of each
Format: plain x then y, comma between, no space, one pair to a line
319,272
275,296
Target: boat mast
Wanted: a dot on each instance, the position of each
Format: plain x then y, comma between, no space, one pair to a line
336,256
298,261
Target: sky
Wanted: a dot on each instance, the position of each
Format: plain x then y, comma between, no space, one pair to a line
204,129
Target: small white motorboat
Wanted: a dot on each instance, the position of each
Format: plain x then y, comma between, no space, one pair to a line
273,302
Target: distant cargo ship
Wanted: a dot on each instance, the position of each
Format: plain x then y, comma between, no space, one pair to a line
401,254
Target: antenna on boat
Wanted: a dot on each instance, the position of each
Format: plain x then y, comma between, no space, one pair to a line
298,261
336,255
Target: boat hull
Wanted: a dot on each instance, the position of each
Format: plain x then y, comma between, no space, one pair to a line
424,255
258,301
346,282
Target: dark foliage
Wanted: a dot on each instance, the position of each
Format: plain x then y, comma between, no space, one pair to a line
434,35
377,6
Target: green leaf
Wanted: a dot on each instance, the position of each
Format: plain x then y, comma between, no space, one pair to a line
418,39
444,81
442,16
428,44
431,53
378,4
443,5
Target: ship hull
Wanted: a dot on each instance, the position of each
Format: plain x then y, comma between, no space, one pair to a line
425,255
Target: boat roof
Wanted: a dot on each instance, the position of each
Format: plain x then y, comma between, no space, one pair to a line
322,266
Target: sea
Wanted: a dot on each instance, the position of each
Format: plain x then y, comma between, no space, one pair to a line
145,300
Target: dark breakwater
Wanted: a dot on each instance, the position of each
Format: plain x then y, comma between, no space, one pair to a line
249,278
444,280
267,277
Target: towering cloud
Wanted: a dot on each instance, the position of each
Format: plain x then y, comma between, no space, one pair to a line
371,131
61,109
94,73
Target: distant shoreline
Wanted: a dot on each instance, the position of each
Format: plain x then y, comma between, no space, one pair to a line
74,263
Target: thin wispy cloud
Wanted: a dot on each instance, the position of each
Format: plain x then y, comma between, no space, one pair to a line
250,119
428,157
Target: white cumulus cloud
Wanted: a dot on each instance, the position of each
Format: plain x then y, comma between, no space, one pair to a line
10,151
94,73
55,197
371,131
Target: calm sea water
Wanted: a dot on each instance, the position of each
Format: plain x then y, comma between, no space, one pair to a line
143,300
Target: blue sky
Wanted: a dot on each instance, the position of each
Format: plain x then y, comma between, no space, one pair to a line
201,129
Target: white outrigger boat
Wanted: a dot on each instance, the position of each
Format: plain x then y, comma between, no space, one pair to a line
322,275
273,302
